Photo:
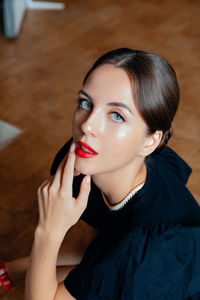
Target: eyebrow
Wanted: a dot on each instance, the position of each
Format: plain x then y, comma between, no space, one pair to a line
121,104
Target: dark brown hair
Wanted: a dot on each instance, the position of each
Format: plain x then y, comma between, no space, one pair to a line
155,84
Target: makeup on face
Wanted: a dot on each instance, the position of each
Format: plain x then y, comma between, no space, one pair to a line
84,150
112,104
106,125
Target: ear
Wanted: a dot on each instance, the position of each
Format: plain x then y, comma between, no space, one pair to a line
151,143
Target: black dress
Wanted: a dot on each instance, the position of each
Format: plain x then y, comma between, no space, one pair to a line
149,249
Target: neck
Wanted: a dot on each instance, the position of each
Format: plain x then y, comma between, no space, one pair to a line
116,184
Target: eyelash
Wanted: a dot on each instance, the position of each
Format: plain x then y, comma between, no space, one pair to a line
80,101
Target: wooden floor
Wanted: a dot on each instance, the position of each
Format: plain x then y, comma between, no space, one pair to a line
41,72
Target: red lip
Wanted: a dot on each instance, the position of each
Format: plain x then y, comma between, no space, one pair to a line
80,152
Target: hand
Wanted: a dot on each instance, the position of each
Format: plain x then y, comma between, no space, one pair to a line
58,209
76,173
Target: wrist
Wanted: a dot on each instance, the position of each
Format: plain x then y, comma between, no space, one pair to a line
49,237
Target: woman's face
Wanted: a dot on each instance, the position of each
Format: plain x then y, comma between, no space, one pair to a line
107,120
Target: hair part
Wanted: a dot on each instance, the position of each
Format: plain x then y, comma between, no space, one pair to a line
155,84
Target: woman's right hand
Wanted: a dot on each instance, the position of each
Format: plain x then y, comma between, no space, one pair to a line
58,209
76,173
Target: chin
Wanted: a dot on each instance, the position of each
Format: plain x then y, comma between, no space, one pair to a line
84,168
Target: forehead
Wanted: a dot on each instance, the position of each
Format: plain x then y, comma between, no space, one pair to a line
108,82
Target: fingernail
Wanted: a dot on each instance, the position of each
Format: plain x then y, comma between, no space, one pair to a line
87,179
73,146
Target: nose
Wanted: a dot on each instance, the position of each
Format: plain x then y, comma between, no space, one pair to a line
91,125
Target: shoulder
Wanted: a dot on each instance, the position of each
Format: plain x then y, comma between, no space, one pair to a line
169,200
170,162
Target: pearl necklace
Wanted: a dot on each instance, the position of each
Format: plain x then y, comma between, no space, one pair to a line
120,204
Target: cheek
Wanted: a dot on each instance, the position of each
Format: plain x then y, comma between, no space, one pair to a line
127,136
76,122
122,133
76,118
125,145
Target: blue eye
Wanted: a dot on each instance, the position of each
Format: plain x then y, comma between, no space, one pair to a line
84,103
118,117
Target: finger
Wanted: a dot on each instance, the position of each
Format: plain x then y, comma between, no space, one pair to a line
68,172
44,183
40,200
85,188
44,190
42,186
56,182
57,179
41,209
45,196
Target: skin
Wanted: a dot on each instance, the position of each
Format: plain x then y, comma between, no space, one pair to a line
58,212
121,146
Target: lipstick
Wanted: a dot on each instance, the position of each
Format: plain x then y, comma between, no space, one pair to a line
84,150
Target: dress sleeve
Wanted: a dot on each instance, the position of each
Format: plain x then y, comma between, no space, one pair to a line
160,261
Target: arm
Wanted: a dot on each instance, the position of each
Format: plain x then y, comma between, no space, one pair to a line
41,281
73,248
70,253
75,244
58,211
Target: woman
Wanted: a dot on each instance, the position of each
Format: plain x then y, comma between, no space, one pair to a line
146,223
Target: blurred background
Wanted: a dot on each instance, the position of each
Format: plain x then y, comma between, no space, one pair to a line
41,70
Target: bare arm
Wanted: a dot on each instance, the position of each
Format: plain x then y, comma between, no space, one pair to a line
73,248
71,252
58,212
75,243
